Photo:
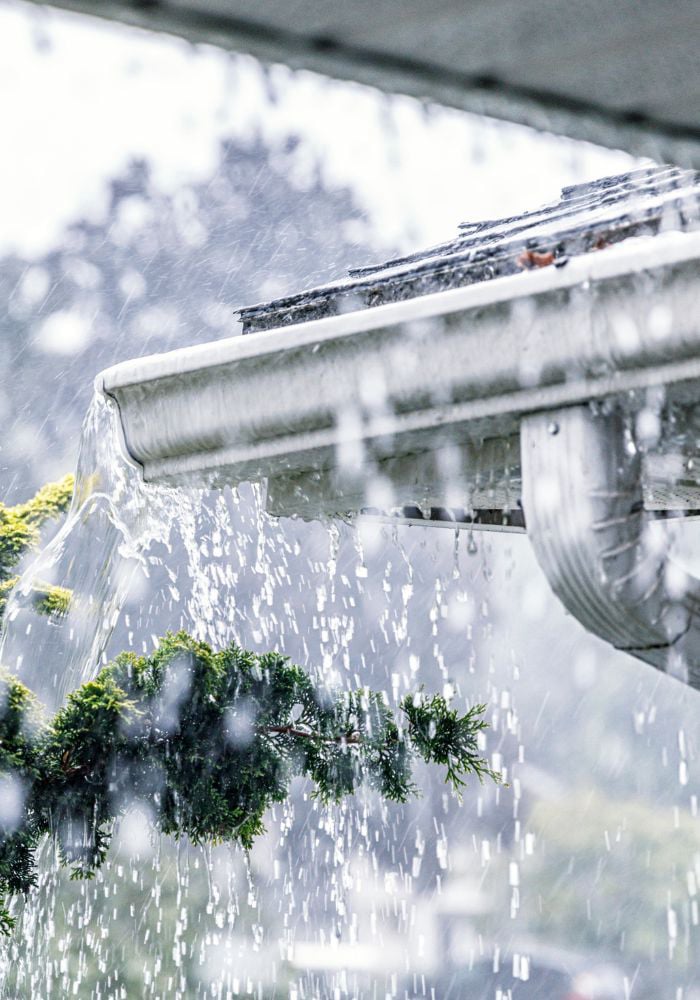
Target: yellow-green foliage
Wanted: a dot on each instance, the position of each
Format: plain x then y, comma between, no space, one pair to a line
5,589
51,500
52,601
20,530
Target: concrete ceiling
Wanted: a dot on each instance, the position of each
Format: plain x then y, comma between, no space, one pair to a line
623,73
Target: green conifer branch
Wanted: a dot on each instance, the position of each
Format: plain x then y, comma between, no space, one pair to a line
210,740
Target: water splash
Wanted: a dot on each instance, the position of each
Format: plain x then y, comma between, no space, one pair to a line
96,556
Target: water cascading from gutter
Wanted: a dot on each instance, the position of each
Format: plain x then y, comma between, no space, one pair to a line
467,357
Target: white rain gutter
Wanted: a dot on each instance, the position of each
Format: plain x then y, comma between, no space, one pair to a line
474,358
515,356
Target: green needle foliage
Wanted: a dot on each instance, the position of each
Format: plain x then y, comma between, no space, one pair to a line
210,741
20,531
441,736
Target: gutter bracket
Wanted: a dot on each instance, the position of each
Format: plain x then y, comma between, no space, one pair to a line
604,558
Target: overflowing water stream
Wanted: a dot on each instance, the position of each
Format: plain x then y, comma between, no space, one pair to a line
113,519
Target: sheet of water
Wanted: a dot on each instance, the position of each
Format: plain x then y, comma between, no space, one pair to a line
113,519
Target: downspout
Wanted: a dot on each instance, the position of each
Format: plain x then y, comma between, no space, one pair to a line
582,495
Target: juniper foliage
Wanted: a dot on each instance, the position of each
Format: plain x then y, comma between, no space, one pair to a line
441,735
210,740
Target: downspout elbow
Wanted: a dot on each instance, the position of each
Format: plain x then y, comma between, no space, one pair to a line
583,501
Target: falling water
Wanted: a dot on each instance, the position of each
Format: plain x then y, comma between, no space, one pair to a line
342,605
334,903
113,519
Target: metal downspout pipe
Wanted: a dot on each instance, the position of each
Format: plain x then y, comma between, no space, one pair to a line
582,495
